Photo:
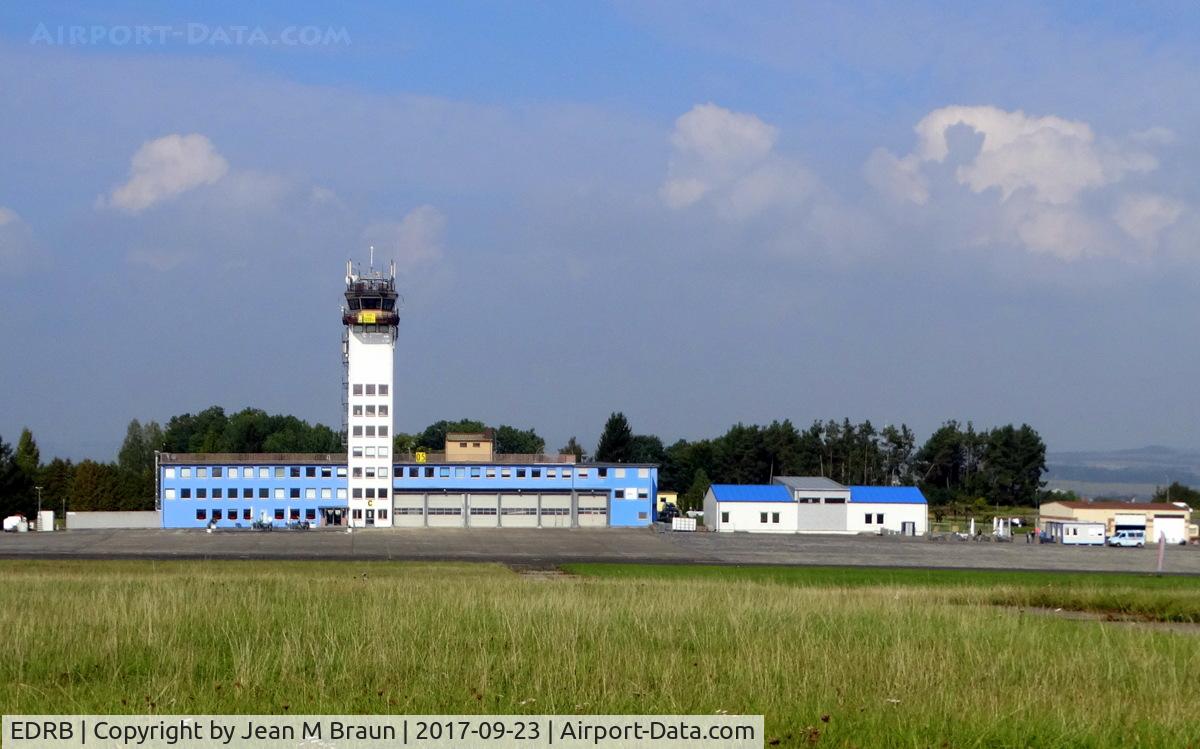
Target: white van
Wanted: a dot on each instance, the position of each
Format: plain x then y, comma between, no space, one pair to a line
1128,538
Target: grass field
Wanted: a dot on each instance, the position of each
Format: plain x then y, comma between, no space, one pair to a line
831,657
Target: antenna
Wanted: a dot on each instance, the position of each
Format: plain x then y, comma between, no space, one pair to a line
372,257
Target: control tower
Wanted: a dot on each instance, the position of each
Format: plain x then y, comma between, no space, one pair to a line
371,318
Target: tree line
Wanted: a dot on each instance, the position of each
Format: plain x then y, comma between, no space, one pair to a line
957,464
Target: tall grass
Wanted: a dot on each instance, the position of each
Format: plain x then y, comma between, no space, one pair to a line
843,666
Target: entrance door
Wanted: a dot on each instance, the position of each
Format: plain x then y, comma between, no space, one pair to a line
370,518
332,516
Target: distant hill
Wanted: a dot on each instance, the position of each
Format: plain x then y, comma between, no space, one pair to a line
1122,473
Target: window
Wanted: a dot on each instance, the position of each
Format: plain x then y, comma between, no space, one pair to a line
724,517
357,452
341,472
835,500
358,389
356,411
536,473
383,411
185,473
619,473
412,472
356,472
381,514
279,514
762,517
264,473
295,493
231,492
201,473
185,493
295,513
310,493
383,452
383,430
247,493
774,517
474,444
879,519
444,472
216,514
169,493
867,518
247,473
462,444
217,492
279,492
383,492
370,390
310,514
169,473
602,472
505,473
357,431
357,492
370,452
643,493
520,473
551,473
279,472
383,472
383,389
566,473
370,410
326,472
217,472
581,473
369,472
264,493
247,515
295,472
325,493
643,473
310,472
341,493
428,472
460,472
201,514
475,472
356,514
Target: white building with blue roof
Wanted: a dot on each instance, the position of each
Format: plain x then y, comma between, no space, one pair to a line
814,504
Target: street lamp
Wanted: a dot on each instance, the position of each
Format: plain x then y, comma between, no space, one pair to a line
39,491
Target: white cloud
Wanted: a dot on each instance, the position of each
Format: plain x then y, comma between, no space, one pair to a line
1042,173
16,242
413,241
1143,216
728,157
164,168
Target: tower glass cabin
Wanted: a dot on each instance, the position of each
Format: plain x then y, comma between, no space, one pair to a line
371,317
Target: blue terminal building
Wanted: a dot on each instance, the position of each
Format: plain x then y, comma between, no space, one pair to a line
466,486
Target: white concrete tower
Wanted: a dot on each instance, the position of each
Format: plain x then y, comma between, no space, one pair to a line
371,319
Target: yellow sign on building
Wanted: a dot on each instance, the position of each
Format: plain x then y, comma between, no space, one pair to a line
366,318
421,457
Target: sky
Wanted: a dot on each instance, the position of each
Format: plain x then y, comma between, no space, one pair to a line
695,213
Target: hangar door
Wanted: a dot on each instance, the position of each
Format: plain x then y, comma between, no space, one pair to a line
1172,527
556,510
445,510
593,510
519,510
485,510
408,510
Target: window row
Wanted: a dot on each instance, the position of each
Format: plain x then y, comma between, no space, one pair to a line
369,410
489,472
248,514
762,517
371,429
381,514
819,500
249,472
369,472
360,389
369,492
878,518
262,492
370,452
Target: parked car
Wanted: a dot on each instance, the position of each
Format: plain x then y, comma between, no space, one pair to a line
668,512
1127,538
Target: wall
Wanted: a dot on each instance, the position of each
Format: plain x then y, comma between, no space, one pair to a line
86,520
747,516
894,514
821,518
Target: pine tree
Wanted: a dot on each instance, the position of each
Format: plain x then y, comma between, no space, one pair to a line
616,442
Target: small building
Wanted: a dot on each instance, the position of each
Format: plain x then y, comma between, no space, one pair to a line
893,509
1076,533
757,508
1169,519
665,498
821,503
470,447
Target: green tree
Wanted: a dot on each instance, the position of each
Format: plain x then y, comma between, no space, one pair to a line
434,437
511,440
15,486
95,486
693,498
1177,492
55,478
28,456
646,448
404,444
573,448
1014,461
616,441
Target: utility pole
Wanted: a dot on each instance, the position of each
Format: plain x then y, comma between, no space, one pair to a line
39,491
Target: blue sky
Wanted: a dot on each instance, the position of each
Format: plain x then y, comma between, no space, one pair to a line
695,213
